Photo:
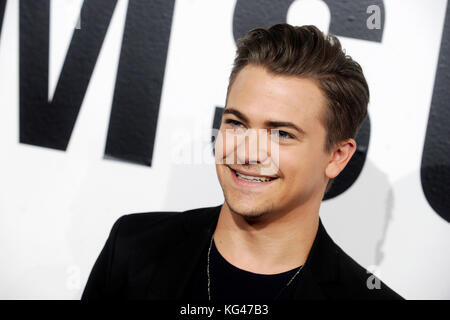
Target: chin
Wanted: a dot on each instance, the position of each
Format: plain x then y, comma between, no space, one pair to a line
249,210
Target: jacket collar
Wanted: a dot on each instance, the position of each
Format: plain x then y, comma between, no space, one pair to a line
177,267
174,269
321,268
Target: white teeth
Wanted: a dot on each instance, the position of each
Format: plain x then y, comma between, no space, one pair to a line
251,178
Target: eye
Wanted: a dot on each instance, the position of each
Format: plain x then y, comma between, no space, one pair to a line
283,134
233,122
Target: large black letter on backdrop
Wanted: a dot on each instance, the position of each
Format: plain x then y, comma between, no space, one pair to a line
50,123
2,13
348,19
435,166
134,113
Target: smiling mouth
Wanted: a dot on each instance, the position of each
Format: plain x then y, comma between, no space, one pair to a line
249,178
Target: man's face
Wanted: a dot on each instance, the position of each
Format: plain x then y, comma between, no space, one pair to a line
259,100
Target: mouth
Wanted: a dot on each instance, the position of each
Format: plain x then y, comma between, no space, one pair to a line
250,181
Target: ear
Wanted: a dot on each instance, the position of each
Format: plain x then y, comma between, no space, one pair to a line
339,158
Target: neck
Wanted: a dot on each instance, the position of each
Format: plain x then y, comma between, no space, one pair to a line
274,243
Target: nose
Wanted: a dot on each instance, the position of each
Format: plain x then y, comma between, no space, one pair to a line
256,147
252,147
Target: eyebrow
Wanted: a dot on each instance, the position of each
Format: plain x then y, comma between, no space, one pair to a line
272,124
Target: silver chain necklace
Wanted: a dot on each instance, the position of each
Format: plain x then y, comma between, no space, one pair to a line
209,279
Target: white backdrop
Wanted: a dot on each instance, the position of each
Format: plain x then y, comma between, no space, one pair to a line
57,207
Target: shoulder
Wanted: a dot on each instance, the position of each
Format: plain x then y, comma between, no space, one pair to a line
136,223
135,244
143,235
358,283
154,224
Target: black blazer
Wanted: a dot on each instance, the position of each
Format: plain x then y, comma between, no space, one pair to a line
153,255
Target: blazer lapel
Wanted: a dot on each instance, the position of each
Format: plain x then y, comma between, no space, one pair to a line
320,269
175,268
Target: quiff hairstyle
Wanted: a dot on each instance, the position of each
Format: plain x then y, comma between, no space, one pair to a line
306,52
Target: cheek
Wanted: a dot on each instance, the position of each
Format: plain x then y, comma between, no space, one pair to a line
300,166
291,164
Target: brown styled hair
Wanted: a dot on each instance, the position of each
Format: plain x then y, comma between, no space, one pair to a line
306,52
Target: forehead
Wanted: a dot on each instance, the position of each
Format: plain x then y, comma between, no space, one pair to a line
261,95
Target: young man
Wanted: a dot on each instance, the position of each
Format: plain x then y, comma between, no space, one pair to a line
266,241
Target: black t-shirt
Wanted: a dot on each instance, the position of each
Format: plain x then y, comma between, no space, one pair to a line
228,282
